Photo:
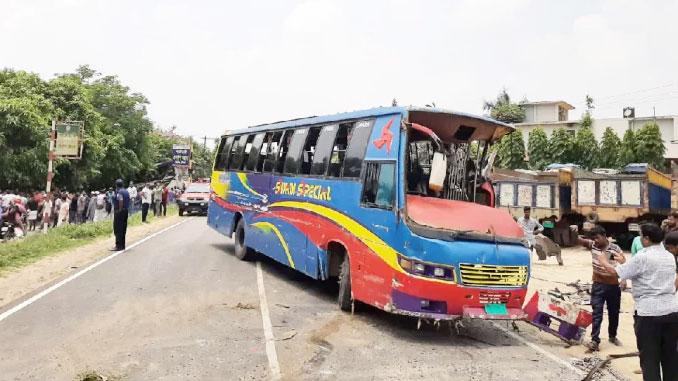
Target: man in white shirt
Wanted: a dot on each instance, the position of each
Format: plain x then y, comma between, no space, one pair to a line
530,226
653,273
133,193
145,202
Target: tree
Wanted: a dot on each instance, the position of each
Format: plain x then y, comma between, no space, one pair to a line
503,109
608,155
561,146
627,153
650,146
585,148
511,151
537,149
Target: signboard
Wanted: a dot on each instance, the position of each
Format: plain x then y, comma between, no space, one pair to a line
68,142
181,155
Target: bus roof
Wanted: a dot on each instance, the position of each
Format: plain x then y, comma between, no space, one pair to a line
502,128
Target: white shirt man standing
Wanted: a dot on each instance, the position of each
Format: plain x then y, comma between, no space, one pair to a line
146,197
530,226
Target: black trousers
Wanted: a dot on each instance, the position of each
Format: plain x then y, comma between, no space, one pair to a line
163,206
120,228
657,341
144,211
602,294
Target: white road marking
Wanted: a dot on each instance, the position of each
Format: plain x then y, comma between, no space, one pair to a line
55,286
268,328
539,349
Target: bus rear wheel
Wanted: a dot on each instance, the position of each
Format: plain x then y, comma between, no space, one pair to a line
345,298
242,252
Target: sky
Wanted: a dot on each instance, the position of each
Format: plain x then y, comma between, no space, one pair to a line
211,66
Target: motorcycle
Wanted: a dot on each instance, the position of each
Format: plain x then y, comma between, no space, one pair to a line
7,232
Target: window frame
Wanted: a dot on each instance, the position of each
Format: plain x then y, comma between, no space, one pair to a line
255,148
363,174
223,144
372,122
296,136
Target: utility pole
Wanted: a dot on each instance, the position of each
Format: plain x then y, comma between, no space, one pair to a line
50,156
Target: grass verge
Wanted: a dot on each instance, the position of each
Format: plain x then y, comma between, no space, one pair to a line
19,253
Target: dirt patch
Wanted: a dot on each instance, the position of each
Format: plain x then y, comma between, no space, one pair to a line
18,283
93,375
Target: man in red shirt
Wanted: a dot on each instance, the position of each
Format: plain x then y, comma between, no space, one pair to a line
165,196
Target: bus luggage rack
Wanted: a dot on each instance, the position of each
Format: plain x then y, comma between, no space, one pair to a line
489,275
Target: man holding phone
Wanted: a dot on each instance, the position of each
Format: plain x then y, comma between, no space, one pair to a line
605,288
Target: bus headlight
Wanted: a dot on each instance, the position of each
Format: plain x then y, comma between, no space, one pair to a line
429,270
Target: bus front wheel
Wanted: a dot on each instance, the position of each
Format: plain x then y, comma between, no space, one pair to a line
242,252
345,298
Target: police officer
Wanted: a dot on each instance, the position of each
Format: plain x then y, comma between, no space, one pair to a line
120,213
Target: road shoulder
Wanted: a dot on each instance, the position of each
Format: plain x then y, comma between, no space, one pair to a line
18,283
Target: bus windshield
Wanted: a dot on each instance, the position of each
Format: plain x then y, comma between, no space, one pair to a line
447,178
198,188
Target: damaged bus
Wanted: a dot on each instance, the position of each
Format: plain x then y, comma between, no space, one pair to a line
394,203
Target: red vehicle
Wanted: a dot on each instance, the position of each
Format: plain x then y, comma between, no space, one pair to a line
194,199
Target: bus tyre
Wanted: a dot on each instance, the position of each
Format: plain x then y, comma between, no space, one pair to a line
181,212
345,298
242,252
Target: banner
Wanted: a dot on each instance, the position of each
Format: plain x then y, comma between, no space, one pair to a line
68,139
181,155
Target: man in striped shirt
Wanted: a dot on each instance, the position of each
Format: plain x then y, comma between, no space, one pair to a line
605,288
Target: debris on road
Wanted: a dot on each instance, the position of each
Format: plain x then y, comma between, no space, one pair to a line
597,370
289,335
244,306
282,305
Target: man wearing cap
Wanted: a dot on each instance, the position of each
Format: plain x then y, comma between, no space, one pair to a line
120,213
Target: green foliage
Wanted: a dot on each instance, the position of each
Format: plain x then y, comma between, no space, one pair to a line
585,147
537,149
562,146
511,151
650,146
628,148
608,156
119,137
503,109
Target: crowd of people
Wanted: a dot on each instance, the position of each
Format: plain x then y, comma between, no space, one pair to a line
40,211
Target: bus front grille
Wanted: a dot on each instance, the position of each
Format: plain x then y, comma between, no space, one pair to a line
489,275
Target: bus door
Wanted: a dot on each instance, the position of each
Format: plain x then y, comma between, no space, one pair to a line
378,211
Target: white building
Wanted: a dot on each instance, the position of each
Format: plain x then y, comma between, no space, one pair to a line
550,115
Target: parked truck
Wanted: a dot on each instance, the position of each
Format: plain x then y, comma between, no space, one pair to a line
619,202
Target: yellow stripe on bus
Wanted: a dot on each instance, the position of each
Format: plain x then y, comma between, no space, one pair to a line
243,180
370,239
269,227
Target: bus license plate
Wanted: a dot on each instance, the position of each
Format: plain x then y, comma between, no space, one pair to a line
496,309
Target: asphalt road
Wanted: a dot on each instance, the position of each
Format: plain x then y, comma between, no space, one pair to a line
179,307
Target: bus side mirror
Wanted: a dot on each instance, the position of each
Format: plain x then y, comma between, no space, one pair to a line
436,181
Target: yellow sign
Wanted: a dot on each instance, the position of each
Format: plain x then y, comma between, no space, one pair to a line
316,192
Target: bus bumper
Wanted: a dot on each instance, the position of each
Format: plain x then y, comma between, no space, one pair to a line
437,308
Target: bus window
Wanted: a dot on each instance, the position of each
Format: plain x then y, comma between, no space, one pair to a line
235,149
357,144
263,152
339,149
379,185
308,153
272,151
222,156
323,150
253,155
283,148
293,158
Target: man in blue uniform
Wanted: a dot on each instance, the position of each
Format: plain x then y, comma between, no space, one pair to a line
120,213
